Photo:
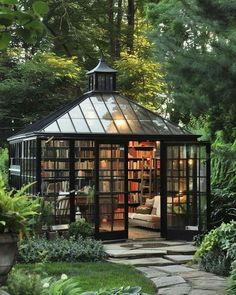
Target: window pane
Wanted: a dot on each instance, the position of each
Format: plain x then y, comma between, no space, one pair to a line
88,110
102,111
140,112
148,126
95,126
65,125
126,108
80,125
52,128
109,126
113,107
122,126
135,126
76,113
96,99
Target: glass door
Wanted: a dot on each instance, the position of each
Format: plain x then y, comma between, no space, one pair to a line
111,197
187,189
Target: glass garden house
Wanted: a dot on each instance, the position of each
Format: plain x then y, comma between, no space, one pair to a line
103,156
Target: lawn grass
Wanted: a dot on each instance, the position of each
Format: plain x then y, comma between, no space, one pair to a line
95,275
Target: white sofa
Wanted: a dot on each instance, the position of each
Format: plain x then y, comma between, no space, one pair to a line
148,220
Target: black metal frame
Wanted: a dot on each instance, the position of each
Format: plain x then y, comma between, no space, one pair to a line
184,234
117,140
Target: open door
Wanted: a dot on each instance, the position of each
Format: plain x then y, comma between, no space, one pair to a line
186,190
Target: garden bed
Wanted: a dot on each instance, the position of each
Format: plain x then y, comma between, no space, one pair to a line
92,276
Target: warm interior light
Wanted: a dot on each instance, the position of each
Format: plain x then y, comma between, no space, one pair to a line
180,162
120,123
190,162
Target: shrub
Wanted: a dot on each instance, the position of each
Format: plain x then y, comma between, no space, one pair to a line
61,249
231,290
20,282
80,228
71,287
218,249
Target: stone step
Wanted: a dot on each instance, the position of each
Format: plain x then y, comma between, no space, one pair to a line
154,261
179,259
118,253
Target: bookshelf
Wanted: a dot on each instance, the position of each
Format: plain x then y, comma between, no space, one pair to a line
55,167
143,170
84,164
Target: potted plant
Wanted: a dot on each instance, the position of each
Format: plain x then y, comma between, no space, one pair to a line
16,209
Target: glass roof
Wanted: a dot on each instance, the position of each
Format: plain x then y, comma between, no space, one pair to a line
110,113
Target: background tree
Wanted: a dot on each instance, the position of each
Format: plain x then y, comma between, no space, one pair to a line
196,45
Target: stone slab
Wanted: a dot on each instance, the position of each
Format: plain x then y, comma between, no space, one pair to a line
203,292
181,289
187,249
167,281
206,283
118,253
143,261
195,274
151,272
173,269
179,258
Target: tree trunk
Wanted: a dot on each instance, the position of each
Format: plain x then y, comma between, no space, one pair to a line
118,29
130,29
111,28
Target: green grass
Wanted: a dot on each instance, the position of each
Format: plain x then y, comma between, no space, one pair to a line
95,275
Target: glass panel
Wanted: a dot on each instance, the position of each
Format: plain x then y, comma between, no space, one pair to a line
109,126
76,113
95,126
66,125
148,126
88,109
122,126
126,108
135,126
184,173
161,127
113,107
96,99
111,187
140,112
80,125
102,111
52,128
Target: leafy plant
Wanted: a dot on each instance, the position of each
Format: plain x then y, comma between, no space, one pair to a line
80,228
38,249
71,287
21,282
44,218
61,287
218,249
117,291
16,209
4,164
231,289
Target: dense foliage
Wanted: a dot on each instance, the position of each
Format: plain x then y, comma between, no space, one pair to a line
223,180
196,44
37,249
231,290
80,228
4,165
218,249
21,282
16,209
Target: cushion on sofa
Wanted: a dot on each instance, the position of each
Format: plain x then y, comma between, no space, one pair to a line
143,209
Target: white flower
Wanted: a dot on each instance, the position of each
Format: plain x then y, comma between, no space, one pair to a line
64,277
45,285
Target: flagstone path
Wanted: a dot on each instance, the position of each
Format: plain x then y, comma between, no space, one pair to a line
164,262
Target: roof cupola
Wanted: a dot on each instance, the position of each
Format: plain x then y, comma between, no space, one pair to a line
102,78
